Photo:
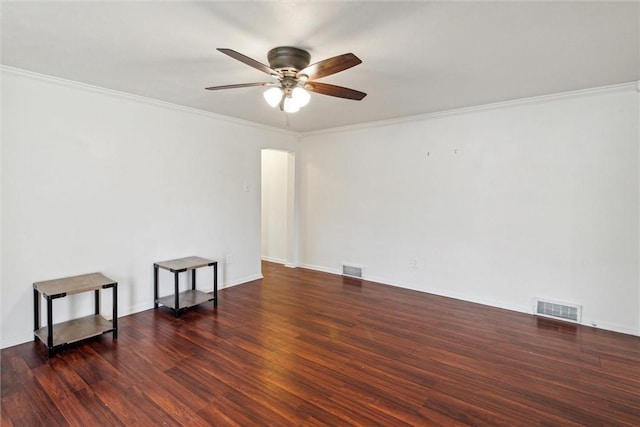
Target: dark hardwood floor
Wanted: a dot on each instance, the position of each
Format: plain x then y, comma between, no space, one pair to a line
307,348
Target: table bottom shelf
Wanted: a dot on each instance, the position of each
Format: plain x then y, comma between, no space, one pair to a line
75,330
186,299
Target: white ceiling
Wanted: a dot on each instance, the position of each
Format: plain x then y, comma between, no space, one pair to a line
418,57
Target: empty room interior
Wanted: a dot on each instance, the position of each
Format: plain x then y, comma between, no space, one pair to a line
320,213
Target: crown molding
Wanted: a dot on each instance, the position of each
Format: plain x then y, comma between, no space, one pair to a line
635,85
137,98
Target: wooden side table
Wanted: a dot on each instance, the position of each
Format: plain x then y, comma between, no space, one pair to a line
183,300
61,334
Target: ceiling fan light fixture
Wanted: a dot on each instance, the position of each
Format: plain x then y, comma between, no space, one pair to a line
273,96
300,96
296,78
290,105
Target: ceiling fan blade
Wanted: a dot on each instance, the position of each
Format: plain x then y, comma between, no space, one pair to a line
333,90
241,85
331,66
249,61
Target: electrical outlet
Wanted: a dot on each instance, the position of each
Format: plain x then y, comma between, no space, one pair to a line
413,262
229,259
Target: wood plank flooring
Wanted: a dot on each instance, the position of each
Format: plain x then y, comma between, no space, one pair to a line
307,348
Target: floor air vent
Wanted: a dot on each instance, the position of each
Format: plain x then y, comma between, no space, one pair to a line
559,310
351,270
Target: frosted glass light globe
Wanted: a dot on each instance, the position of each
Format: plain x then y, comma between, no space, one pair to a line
301,96
290,105
273,96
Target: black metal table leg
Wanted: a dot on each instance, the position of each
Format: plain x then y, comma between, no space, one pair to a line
155,286
177,297
36,312
96,300
215,284
50,325
193,279
115,311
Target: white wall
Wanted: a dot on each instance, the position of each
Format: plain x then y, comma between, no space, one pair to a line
496,205
274,205
93,180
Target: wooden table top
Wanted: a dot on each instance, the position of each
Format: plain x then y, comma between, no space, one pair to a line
73,284
188,263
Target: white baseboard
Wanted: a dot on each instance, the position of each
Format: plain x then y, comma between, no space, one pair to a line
16,340
241,280
276,260
280,261
490,303
323,269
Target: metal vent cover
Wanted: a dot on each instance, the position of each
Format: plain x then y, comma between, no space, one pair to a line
352,270
558,310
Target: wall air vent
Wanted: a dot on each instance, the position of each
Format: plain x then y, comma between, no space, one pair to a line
558,310
351,270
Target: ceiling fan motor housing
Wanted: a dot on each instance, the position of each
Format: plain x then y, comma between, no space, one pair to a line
288,57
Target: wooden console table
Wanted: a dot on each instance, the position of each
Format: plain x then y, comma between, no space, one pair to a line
61,334
183,300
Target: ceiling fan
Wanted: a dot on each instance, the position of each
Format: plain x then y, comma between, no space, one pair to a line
294,76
